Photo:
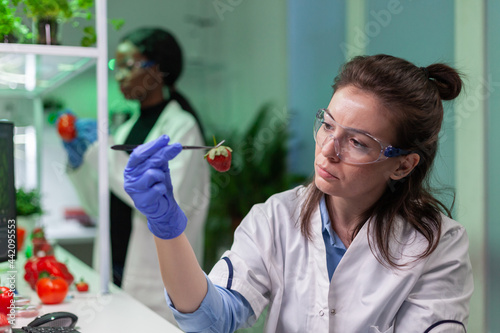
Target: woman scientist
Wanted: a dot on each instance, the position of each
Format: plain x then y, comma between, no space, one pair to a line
146,61
365,247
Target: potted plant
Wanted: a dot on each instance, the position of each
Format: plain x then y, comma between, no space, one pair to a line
48,14
28,209
28,202
11,28
259,170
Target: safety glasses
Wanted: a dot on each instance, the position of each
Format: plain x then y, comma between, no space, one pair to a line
352,146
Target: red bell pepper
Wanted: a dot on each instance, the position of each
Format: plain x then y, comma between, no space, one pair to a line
35,265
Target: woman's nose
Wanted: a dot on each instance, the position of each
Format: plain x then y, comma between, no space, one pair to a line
330,147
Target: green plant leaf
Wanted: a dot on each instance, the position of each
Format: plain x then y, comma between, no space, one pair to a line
117,23
88,41
90,36
89,30
28,202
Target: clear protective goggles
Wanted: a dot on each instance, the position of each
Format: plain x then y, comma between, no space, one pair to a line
123,70
352,146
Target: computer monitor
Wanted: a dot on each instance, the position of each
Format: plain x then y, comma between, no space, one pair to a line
7,193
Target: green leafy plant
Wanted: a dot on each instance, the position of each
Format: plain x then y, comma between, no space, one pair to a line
11,26
28,202
259,170
56,9
65,11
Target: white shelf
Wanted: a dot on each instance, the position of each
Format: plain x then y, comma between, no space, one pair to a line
56,50
30,75
33,69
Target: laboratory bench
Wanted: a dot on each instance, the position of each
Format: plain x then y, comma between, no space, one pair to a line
113,312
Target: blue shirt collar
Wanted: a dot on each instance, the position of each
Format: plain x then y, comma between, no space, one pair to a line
327,226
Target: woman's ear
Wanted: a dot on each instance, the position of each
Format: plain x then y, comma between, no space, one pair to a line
406,165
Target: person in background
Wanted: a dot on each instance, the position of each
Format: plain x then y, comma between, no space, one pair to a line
365,247
147,66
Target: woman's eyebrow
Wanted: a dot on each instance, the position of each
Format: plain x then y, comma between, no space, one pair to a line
357,130
327,112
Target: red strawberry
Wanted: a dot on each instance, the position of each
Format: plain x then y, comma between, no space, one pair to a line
219,158
66,127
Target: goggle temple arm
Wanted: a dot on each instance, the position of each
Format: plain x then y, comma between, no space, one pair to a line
147,64
391,151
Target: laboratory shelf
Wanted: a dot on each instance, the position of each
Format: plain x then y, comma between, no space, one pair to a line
32,74
57,50
48,66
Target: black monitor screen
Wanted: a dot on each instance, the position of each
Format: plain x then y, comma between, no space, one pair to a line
7,190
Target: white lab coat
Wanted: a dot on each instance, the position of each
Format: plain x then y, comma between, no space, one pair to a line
273,264
190,176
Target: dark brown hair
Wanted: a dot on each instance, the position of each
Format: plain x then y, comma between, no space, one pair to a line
413,97
161,47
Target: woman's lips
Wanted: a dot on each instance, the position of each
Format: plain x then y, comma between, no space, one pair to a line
125,91
324,174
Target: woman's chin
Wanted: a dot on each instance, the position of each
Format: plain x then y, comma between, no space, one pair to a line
331,185
322,185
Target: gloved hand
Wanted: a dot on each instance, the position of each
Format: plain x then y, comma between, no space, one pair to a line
86,134
147,181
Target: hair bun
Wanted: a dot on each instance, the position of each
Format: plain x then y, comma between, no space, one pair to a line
447,80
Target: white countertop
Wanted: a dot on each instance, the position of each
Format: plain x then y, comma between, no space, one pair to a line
69,231
113,312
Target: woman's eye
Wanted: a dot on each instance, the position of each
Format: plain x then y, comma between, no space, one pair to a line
357,144
328,127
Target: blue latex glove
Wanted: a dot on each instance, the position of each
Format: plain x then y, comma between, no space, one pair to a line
86,130
147,181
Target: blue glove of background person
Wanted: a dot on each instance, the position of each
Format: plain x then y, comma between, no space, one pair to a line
86,130
147,181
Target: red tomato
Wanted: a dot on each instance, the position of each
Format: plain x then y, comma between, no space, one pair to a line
66,127
82,286
52,290
6,300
